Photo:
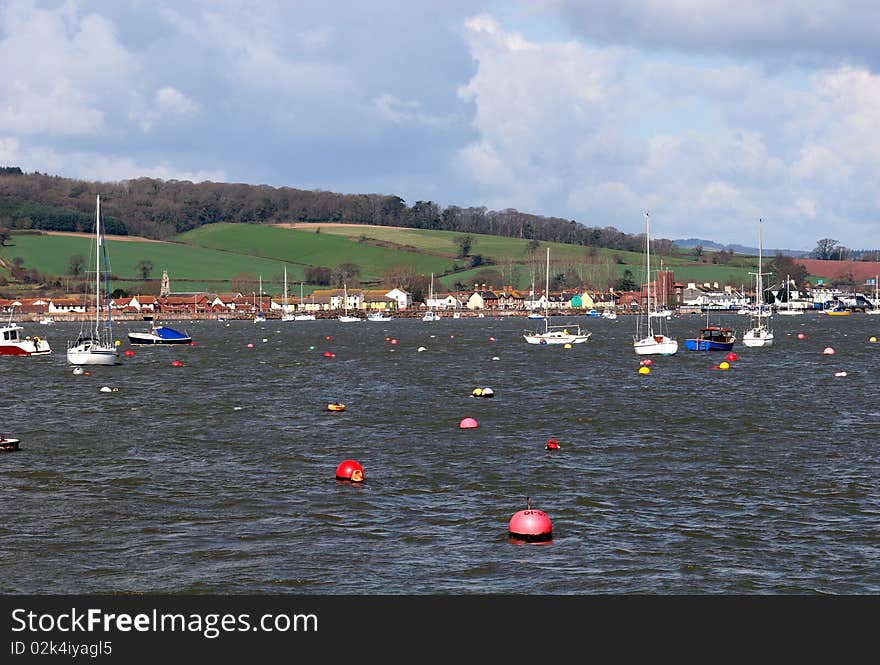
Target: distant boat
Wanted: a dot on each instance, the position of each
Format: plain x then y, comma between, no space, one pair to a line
159,335
47,321
347,318
760,333
96,346
12,343
303,316
876,301
259,317
838,311
648,341
431,315
286,315
379,316
788,310
566,334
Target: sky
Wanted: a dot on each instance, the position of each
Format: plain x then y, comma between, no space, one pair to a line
708,114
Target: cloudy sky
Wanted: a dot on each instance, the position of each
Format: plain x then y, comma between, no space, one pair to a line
710,114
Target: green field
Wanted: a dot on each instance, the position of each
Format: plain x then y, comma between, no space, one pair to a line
211,257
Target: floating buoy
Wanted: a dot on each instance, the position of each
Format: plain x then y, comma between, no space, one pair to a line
311,347
801,336
192,343
78,370
647,361
350,470
129,352
394,341
328,338
552,444
329,354
730,356
176,363
422,348
336,406
117,342
483,392
828,351
495,358
566,346
840,374
644,369
468,423
873,339
492,339
250,346
105,389
265,340
532,526
724,365
714,366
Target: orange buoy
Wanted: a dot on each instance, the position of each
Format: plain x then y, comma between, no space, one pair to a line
532,526
468,423
552,444
350,470
336,406
176,363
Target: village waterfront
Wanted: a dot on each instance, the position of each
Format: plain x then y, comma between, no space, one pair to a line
217,475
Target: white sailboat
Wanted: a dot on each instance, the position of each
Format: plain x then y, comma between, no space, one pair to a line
876,301
95,346
660,309
788,310
759,334
303,316
565,334
286,314
347,318
431,315
648,341
259,317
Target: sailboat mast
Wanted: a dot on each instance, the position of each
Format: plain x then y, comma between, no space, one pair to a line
97,263
547,287
759,297
648,268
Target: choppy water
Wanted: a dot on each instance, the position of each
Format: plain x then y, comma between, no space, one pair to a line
219,476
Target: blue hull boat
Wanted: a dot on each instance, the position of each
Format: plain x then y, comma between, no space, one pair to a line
159,335
712,338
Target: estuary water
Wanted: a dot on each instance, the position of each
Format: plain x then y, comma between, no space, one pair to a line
218,475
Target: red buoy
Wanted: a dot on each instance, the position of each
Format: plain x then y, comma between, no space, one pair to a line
532,526
129,352
176,363
468,423
191,343
329,354
552,444
350,470
730,356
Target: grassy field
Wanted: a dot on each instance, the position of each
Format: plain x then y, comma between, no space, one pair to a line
211,257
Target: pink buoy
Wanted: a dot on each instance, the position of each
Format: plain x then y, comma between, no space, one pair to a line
532,526
394,341
350,470
492,339
192,343
328,338
468,423
828,351
250,346
647,362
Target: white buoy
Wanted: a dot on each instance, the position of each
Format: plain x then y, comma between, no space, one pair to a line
106,389
78,370
495,358
422,348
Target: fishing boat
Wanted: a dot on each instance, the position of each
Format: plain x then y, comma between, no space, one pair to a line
47,321
347,318
788,310
876,302
712,338
648,340
159,335
379,316
759,334
838,310
564,334
95,344
14,343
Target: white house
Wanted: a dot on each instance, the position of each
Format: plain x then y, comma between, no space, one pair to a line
403,298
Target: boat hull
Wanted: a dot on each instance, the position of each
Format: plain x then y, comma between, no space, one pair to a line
757,338
147,338
26,348
707,345
92,356
656,345
561,336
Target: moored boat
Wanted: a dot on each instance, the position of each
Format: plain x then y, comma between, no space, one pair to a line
712,338
159,335
13,344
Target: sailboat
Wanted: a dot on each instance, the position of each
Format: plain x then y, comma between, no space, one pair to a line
647,341
788,310
303,316
96,346
876,301
431,315
258,311
286,315
660,308
567,334
347,318
759,334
